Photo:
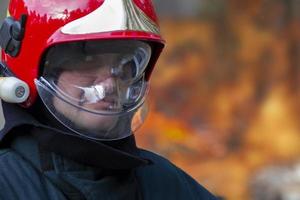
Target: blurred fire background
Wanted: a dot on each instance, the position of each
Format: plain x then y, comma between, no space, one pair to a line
224,99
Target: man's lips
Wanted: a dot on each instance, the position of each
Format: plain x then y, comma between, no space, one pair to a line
105,104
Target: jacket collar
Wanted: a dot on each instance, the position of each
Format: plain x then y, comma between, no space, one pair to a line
14,116
122,154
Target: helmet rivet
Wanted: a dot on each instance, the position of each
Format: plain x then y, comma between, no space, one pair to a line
20,91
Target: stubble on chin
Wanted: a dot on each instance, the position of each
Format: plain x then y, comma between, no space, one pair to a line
84,119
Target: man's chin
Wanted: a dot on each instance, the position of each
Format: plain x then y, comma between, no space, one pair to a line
95,124
85,121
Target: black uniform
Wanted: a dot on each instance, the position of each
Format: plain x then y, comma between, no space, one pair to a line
38,161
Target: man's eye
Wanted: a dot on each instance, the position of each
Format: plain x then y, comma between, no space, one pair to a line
128,71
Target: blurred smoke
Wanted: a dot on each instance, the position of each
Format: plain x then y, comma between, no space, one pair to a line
277,183
178,8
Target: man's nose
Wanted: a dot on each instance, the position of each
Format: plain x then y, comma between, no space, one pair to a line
109,85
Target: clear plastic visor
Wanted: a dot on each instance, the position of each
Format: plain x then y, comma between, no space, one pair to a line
106,82
99,79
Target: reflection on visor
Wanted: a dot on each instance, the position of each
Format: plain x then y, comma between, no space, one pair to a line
125,60
96,93
93,94
126,98
130,68
118,96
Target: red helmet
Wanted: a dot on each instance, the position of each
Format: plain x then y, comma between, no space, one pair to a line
33,27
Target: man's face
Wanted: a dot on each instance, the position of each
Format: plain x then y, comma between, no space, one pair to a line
69,80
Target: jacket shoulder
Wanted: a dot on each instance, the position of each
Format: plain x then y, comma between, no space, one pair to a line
20,180
14,175
163,180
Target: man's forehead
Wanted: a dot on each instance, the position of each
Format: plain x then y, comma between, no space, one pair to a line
89,61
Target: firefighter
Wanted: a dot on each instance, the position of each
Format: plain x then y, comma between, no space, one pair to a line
75,78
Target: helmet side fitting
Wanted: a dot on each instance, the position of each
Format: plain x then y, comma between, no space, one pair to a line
12,89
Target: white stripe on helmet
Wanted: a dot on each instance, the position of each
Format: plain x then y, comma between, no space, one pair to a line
112,15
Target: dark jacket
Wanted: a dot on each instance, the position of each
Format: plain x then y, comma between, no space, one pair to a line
32,168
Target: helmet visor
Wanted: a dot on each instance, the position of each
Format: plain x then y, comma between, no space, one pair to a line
94,87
